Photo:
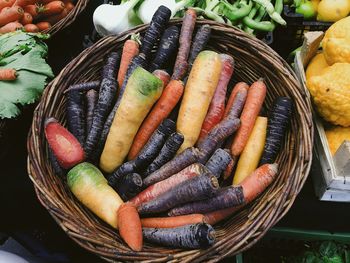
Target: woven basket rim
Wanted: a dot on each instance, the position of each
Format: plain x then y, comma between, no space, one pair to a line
256,227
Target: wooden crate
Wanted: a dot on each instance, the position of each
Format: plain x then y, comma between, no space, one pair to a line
333,183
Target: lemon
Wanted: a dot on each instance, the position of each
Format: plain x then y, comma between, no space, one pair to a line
332,10
316,65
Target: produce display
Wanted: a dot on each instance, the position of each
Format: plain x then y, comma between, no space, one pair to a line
23,71
322,10
327,78
253,16
147,153
32,15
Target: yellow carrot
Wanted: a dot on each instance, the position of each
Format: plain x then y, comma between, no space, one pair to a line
199,90
252,152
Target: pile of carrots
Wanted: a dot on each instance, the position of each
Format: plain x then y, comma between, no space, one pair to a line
176,156
32,15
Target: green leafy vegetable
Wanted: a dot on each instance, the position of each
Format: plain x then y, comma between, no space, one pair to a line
24,52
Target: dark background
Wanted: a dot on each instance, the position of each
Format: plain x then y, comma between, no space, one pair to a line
25,220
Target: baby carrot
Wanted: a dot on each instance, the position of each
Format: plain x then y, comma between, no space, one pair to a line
69,6
174,221
6,3
130,50
24,3
166,103
10,27
252,107
31,9
10,14
130,226
26,19
52,8
43,26
8,74
56,18
31,28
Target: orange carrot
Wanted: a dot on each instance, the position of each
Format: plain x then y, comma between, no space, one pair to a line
46,1
10,14
31,9
56,18
130,228
234,91
174,221
26,19
10,27
52,8
24,3
166,103
31,28
43,26
130,50
6,3
8,74
252,107
162,75
69,6
253,186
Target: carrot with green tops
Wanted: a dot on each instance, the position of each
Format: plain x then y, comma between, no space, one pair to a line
199,91
10,14
217,105
43,26
10,27
26,19
52,8
8,74
130,228
31,9
253,186
171,222
53,19
185,39
251,110
130,50
249,159
233,94
167,101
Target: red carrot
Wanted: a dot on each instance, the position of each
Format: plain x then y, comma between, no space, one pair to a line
43,26
56,18
31,28
31,9
64,145
252,107
253,186
170,222
130,228
8,74
181,64
26,19
166,103
24,3
10,27
52,8
6,3
162,75
10,14
217,104
130,50
161,187
230,101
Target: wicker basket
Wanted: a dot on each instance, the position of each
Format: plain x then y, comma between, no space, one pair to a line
254,59
69,19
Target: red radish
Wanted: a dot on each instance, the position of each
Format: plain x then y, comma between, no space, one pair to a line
64,145
130,226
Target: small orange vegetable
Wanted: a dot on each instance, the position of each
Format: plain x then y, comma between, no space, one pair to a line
174,221
130,50
10,27
8,74
10,14
31,28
